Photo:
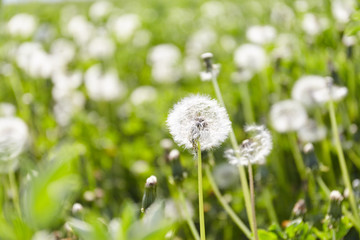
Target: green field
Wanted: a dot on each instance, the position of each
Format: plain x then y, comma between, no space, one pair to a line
86,89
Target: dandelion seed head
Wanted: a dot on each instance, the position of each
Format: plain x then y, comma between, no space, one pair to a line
13,139
288,115
311,132
349,41
225,175
7,109
151,181
22,25
198,118
143,94
330,93
305,87
261,34
253,150
100,9
250,57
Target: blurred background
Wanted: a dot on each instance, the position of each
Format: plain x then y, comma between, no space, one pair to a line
93,81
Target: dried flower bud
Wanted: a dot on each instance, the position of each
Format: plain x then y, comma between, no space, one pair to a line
150,193
207,57
299,209
176,167
334,212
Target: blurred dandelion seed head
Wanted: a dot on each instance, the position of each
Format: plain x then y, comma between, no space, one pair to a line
253,150
13,138
311,132
198,118
261,34
288,115
250,57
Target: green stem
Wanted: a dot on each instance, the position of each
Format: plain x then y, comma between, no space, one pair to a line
201,201
343,167
297,156
248,111
270,206
225,205
14,191
252,195
333,234
235,145
188,219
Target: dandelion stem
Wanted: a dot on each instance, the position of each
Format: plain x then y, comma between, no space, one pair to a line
188,219
248,111
225,205
252,195
343,167
333,234
297,156
201,201
14,192
242,173
270,206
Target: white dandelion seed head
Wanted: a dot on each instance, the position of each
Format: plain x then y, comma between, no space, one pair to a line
225,175
22,25
164,54
313,25
304,89
198,118
100,47
250,57
330,93
311,132
253,150
7,109
201,41
261,34
103,86
100,9
288,115
13,137
349,41
80,29
143,94
342,10
124,26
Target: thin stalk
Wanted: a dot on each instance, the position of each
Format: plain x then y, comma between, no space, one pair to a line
297,156
270,206
247,106
225,205
201,201
235,145
252,195
188,219
14,191
343,167
333,234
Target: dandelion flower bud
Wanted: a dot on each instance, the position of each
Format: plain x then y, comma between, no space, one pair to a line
287,115
77,208
253,150
309,156
334,212
150,193
176,167
198,118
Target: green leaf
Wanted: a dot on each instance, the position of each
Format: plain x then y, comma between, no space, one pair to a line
265,235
